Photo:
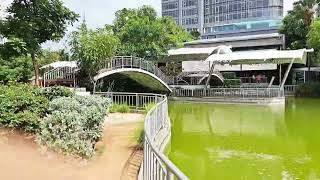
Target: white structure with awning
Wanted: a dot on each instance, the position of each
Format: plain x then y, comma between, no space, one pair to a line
222,55
261,57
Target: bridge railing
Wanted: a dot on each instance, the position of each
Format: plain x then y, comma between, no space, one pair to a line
240,93
134,62
157,127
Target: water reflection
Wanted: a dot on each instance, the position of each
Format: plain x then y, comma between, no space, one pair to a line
247,141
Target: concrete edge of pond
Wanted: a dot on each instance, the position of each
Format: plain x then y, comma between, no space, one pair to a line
269,101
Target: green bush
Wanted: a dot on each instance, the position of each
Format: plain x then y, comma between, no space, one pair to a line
74,124
120,108
232,82
21,107
229,75
55,92
308,90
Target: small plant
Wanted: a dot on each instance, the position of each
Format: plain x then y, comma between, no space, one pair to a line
120,108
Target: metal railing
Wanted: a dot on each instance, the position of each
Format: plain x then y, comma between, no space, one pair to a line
157,129
60,73
120,62
240,93
290,89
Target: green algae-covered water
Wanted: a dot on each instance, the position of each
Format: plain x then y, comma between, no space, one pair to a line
223,141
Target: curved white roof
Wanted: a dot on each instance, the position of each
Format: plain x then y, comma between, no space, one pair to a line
196,53
72,64
261,57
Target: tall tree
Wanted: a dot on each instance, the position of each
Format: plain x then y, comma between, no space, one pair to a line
144,34
35,22
92,48
296,24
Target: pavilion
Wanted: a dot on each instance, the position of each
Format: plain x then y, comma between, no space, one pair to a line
213,58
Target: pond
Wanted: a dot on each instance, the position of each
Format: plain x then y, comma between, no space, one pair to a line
223,141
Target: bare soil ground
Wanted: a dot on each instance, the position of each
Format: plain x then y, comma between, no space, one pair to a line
22,159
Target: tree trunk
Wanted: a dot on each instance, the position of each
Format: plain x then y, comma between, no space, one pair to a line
36,69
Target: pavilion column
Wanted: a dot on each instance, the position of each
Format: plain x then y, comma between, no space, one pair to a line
280,73
286,74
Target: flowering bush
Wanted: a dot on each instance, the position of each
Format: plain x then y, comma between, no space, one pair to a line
74,124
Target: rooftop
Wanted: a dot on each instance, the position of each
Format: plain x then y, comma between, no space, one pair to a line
236,38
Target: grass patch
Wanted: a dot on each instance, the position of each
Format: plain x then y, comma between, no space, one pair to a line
148,107
139,135
119,108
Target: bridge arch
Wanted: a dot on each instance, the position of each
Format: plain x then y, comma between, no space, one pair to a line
129,64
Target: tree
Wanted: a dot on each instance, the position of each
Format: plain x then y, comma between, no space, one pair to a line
195,34
314,39
296,24
144,34
16,69
35,22
92,48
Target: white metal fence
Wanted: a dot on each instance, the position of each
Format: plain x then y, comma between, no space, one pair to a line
60,73
290,89
157,127
240,93
137,63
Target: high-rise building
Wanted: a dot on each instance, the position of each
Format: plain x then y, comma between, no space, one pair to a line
225,18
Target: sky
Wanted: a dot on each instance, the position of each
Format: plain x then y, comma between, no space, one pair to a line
100,12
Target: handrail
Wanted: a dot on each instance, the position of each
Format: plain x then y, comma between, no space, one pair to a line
239,93
157,129
120,62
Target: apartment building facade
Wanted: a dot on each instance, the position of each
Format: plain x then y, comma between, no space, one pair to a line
225,18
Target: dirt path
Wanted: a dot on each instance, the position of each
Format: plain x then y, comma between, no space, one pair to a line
21,158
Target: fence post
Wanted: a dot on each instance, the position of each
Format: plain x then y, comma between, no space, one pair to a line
169,174
122,62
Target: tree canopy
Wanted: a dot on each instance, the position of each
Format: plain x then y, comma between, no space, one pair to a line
314,40
296,24
143,34
92,48
35,22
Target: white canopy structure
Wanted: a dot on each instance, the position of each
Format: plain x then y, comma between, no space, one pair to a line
197,54
223,55
71,64
261,57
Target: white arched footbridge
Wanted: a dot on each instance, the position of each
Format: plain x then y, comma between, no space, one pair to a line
124,64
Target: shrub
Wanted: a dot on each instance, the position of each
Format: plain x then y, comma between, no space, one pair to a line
308,90
55,92
74,125
232,82
229,75
21,107
120,108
